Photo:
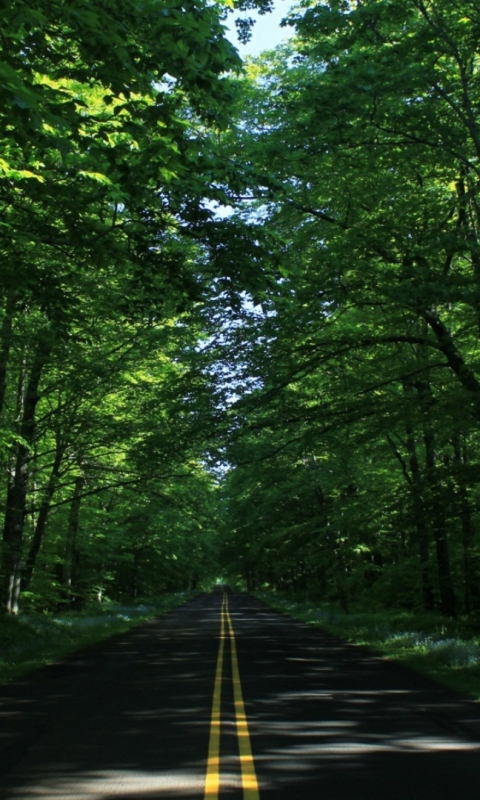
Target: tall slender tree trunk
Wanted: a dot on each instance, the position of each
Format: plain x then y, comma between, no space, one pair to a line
18,487
413,475
470,567
72,531
437,513
41,524
5,344
421,525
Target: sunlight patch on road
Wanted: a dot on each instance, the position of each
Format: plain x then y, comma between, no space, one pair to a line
112,783
414,743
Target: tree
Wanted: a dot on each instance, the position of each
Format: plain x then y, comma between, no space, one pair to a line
107,171
362,144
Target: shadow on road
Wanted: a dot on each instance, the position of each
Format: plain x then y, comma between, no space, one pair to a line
333,720
130,718
126,718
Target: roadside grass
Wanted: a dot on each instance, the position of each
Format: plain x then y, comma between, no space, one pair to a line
446,650
33,640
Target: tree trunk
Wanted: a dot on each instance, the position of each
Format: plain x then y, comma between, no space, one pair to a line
73,521
437,512
18,486
470,571
421,526
454,358
41,526
5,345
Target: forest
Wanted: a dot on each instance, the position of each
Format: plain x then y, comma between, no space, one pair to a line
240,303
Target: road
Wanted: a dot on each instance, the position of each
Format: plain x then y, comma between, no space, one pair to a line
225,698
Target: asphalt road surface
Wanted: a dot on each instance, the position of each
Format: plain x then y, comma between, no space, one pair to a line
225,698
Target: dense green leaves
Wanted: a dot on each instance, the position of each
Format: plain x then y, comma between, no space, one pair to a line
363,144
275,273
108,120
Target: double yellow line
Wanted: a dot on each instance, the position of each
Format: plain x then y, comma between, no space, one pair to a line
249,778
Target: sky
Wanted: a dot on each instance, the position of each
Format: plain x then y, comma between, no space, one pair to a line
267,32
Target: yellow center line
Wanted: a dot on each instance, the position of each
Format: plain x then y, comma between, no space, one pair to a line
212,780
249,778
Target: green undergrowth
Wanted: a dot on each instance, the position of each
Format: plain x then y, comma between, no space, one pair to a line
32,640
446,650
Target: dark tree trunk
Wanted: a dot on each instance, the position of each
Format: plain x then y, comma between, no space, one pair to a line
447,594
470,575
454,358
470,568
18,486
250,579
437,513
421,526
5,345
41,525
73,522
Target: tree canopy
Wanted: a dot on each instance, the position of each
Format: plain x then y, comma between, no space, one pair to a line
241,303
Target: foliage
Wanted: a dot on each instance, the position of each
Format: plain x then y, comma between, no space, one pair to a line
360,370
107,125
240,309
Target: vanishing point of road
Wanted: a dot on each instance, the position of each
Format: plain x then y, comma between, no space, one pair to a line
225,698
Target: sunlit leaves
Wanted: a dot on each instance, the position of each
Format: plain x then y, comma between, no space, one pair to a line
363,140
